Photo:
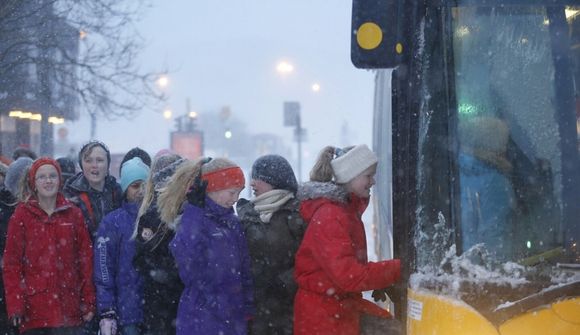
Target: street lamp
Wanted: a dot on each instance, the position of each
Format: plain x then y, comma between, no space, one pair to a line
315,87
163,81
284,67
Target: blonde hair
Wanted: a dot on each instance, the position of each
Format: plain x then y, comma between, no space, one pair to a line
173,195
322,169
158,164
23,192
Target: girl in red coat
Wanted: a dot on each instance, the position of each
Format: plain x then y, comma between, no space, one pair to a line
48,259
331,266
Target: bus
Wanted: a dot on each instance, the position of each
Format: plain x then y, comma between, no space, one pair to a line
478,188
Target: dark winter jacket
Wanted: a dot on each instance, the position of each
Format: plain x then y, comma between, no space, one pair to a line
161,284
272,247
119,286
212,257
101,203
7,206
331,267
48,266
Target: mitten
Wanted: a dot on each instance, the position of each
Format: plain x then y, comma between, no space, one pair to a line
108,323
16,320
379,295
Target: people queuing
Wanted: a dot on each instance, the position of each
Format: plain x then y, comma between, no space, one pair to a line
209,247
118,284
170,254
48,249
162,286
332,269
274,229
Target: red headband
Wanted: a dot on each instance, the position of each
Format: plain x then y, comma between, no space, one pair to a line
218,180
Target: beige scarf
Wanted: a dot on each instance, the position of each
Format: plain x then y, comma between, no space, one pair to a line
266,204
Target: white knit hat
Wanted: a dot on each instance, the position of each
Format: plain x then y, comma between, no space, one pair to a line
352,163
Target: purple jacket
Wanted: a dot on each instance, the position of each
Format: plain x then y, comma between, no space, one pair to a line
213,262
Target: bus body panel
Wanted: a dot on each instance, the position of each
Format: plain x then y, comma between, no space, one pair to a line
432,313
547,320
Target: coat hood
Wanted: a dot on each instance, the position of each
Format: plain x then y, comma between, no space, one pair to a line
315,194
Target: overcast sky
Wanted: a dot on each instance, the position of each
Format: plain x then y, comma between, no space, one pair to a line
225,52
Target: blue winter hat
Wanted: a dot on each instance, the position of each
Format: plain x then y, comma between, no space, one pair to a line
276,171
133,170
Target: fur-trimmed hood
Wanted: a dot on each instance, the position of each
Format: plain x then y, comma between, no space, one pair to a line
329,190
314,195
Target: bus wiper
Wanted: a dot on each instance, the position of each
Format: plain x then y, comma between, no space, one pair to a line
547,255
569,266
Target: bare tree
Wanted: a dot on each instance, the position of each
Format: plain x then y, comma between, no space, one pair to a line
79,51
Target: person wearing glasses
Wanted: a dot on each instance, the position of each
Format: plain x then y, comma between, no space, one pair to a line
48,249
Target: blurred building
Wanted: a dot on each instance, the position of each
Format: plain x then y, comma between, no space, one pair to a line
37,75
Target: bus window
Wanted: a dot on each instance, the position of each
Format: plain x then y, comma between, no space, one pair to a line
510,156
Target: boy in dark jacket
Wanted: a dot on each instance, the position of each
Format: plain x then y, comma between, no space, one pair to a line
118,284
273,229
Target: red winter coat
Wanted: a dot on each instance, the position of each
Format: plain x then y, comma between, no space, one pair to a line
48,266
331,266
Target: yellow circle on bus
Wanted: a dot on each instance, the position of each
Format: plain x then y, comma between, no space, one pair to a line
369,35
399,48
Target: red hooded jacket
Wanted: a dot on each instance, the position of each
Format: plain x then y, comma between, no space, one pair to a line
331,266
47,266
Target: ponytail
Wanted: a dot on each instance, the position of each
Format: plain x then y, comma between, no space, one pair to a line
322,170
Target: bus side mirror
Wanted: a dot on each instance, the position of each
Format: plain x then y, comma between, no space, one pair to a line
376,34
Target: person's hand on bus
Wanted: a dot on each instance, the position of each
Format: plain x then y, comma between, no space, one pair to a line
379,295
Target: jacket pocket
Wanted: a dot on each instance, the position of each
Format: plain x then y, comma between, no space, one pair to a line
38,300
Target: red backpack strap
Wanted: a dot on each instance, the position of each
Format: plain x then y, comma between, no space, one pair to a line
85,198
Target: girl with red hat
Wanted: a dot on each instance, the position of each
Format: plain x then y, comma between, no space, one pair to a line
48,259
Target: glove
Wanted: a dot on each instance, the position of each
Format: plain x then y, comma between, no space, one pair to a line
379,295
196,194
108,327
108,323
16,320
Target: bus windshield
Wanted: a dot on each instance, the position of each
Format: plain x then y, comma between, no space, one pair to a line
509,128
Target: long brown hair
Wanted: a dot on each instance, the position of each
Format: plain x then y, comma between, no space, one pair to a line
151,186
